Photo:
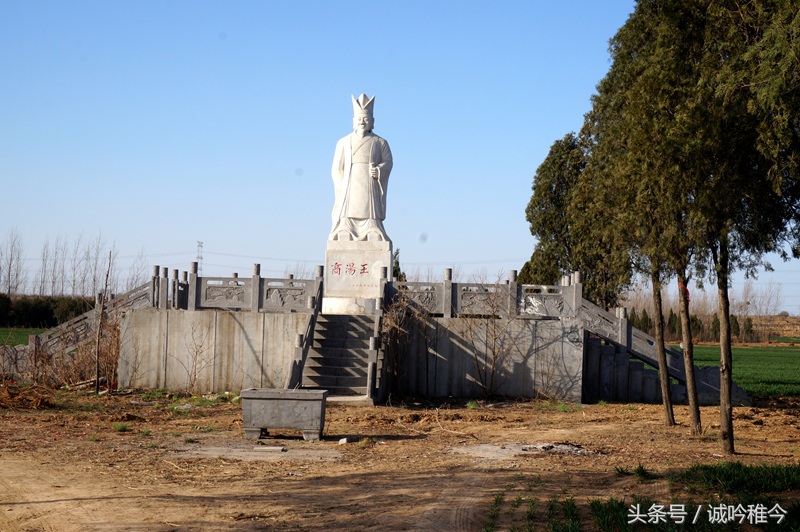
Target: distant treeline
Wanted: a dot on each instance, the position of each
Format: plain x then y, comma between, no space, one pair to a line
41,311
704,328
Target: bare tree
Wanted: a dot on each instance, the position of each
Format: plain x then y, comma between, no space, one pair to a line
485,326
40,279
14,273
200,355
300,270
94,255
137,274
767,301
77,268
58,266
101,312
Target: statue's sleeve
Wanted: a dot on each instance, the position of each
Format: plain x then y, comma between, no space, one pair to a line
339,181
337,168
386,160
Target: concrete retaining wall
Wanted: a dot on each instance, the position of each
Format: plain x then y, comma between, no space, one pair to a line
469,357
219,350
207,351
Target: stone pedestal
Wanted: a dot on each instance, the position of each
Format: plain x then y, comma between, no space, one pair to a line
353,275
265,408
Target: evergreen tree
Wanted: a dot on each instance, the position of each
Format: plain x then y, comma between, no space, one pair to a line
397,273
633,319
734,325
646,324
673,324
715,327
694,151
566,242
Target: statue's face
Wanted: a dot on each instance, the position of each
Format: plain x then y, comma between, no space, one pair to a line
362,124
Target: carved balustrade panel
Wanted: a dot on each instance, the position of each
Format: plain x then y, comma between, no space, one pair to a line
599,321
482,299
286,294
68,333
427,297
542,301
139,297
226,293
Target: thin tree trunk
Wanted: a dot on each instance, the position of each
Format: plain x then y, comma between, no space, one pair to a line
725,352
663,371
101,304
688,353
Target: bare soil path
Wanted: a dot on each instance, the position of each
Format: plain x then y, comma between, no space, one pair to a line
65,468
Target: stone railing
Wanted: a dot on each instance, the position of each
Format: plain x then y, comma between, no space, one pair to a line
190,292
306,339
615,328
537,302
501,299
70,334
254,293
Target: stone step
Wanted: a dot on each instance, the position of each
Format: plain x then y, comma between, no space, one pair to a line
336,371
342,332
331,321
334,383
335,391
335,362
335,380
336,352
324,336
342,343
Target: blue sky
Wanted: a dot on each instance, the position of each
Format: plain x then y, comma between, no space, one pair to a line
158,124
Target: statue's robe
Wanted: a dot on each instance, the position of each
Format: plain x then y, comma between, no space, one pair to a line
360,200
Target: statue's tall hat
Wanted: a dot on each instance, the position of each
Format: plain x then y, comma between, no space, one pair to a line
363,106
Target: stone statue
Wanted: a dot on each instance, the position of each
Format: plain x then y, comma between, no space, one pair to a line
361,167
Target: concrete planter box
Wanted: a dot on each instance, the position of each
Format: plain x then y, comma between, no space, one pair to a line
270,408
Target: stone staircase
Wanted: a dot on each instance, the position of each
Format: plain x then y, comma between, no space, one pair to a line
618,377
339,357
611,373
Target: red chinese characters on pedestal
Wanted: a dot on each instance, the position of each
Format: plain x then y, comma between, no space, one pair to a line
350,268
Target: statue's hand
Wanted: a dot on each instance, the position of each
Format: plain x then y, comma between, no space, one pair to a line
374,172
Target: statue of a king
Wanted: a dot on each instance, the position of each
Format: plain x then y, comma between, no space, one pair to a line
361,167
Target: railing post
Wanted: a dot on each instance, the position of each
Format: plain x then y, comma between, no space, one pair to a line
193,282
447,293
623,336
383,283
183,299
154,281
295,377
163,288
577,293
175,290
319,274
255,290
513,300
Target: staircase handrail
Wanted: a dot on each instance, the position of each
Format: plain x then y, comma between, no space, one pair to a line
80,328
636,343
135,298
295,376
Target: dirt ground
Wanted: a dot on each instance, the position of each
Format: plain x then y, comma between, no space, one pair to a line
413,467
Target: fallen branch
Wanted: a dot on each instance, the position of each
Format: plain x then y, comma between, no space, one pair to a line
34,398
452,431
176,466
